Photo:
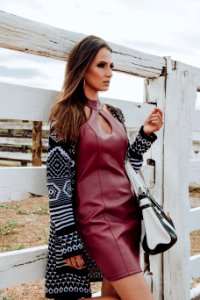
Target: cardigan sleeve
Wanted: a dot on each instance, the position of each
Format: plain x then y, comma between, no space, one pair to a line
137,149
60,174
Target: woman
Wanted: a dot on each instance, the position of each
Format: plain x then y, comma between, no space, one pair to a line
95,223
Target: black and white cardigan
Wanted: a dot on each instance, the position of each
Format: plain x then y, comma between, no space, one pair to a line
64,240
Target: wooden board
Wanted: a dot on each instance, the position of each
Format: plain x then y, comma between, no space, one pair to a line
25,103
196,120
194,171
135,113
14,105
19,156
195,266
18,141
196,137
194,219
18,182
22,266
19,125
155,93
180,103
21,34
195,292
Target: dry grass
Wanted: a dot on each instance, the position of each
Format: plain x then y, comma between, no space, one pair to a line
21,217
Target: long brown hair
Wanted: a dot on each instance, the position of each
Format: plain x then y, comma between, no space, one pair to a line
67,113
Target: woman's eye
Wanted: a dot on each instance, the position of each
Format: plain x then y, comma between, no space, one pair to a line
101,65
112,66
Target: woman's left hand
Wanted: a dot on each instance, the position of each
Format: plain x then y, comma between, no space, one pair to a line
154,122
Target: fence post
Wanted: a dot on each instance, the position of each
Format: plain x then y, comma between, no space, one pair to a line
180,102
37,143
155,94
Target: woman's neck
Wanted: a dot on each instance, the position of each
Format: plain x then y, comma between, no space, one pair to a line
91,94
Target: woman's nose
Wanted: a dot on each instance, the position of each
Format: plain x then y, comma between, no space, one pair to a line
109,73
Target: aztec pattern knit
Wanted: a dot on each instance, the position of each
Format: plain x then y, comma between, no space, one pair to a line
64,240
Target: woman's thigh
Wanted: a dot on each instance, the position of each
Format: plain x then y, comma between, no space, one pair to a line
107,289
132,287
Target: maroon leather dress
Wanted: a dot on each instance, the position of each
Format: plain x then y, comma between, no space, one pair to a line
107,215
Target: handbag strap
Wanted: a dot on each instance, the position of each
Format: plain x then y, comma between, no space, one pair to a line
136,179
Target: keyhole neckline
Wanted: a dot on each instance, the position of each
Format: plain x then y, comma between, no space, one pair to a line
93,104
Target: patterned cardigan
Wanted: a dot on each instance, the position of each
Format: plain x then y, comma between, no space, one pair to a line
64,239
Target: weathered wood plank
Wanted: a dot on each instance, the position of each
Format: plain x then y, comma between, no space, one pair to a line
19,156
180,103
18,141
37,144
25,103
35,103
22,266
196,120
24,35
18,182
29,263
196,136
97,294
19,125
155,92
195,292
194,219
135,113
194,73
194,171
195,266
148,173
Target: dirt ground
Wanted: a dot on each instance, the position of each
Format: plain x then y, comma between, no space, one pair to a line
17,218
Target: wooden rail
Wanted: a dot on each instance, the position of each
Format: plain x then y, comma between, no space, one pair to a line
18,141
29,263
20,34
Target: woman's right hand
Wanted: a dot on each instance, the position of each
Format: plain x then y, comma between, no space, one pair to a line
75,262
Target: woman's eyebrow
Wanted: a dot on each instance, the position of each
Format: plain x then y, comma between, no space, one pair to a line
105,62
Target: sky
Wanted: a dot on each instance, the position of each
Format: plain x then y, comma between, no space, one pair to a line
163,28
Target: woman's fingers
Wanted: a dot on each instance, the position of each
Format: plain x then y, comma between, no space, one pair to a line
158,110
79,261
156,114
155,117
75,262
154,121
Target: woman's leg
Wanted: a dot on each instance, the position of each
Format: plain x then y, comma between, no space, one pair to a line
100,298
133,287
107,292
107,289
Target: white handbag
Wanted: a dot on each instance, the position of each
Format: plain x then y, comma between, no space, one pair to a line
158,232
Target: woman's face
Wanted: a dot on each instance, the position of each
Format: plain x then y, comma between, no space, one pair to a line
99,73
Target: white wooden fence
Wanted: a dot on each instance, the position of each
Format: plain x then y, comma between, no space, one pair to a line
170,85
